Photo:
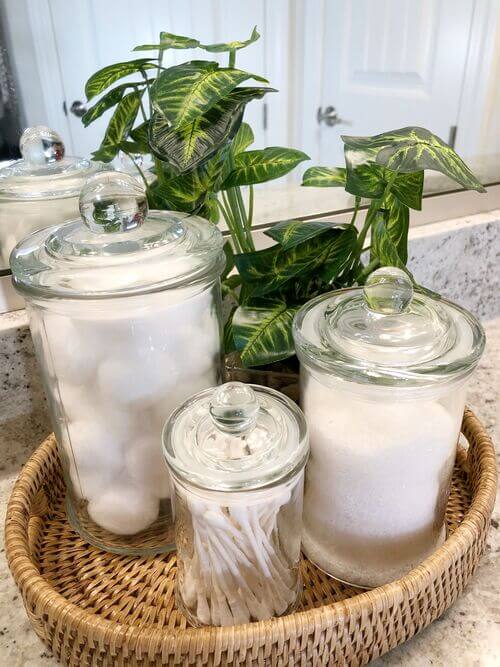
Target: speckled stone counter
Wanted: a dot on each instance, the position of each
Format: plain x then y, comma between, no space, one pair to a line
468,634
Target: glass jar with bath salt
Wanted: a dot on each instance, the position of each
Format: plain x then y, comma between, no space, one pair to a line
41,189
236,454
124,307
383,371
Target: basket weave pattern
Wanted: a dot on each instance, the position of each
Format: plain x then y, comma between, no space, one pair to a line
94,608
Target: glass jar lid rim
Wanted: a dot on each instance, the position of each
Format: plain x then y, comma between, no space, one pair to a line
44,171
266,444
398,350
118,247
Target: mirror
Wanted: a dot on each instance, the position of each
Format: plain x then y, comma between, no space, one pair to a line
356,68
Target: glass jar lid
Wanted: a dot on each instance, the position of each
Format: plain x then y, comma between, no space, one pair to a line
117,248
387,333
44,172
236,437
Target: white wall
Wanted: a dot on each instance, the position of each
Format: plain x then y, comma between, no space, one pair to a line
22,57
489,138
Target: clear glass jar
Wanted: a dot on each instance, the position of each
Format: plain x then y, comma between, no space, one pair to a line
237,455
383,376
124,310
41,189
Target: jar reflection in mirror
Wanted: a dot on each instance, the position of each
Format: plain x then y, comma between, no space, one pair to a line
41,189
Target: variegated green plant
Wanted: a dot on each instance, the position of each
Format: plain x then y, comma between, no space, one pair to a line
189,117
314,257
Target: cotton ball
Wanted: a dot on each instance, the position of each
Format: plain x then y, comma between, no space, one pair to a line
186,387
106,331
136,383
98,445
75,402
75,360
146,466
91,482
124,509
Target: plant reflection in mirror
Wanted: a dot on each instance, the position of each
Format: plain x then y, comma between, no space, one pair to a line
189,117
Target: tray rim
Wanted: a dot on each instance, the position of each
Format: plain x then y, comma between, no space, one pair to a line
32,584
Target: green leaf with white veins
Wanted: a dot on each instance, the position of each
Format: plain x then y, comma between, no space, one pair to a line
107,101
412,149
370,180
184,92
231,46
383,246
119,126
108,75
291,233
188,191
243,139
397,225
324,177
188,146
263,165
263,332
271,269
170,41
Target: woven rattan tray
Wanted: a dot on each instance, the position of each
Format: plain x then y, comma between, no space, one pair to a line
94,608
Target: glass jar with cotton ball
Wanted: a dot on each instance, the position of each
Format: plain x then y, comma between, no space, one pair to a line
124,306
237,454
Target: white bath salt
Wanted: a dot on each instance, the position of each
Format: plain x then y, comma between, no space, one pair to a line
375,483
124,508
238,572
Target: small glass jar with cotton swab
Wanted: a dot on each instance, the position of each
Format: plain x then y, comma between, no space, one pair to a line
236,454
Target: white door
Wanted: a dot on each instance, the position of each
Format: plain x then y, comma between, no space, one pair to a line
90,34
381,65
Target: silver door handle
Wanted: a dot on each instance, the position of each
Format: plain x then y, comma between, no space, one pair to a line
78,108
329,116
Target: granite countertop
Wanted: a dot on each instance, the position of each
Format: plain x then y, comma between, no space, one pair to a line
468,634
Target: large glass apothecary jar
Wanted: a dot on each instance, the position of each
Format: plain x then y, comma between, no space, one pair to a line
383,377
237,455
124,309
40,189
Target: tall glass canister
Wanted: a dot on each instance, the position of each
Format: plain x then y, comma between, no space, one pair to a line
383,378
124,308
40,189
237,455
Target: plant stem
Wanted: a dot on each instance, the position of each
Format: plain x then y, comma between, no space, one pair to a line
139,170
230,211
232,58
250,207
143,111
239,225
371,266
357,202
244,220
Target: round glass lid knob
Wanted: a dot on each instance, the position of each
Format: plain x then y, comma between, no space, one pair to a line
388,290
113,201
40,145
234,407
